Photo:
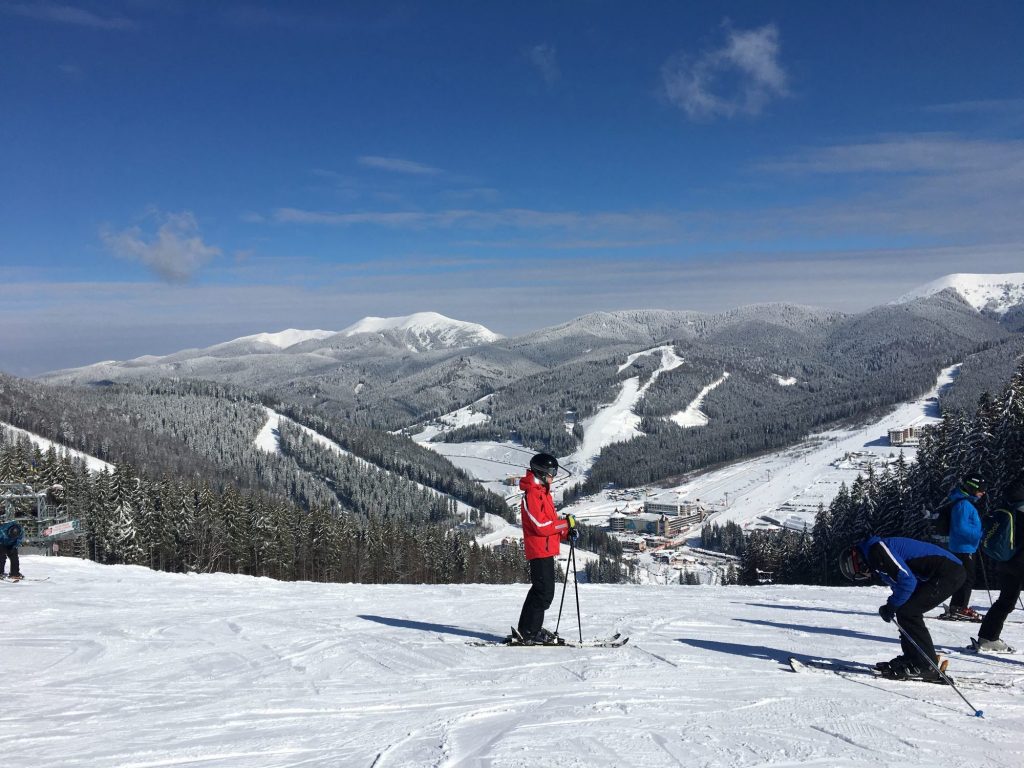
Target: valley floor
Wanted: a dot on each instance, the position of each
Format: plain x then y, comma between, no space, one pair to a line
121,667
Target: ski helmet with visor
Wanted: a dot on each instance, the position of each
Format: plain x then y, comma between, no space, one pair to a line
972,484
853,566
544,465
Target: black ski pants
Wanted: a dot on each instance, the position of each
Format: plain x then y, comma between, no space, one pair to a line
1010,585
538,599
945,580
962,597
10,552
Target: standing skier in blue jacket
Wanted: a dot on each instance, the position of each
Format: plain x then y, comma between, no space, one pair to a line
921,575
964,538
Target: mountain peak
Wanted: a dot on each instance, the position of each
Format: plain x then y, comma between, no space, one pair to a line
427,330
995,293
287,338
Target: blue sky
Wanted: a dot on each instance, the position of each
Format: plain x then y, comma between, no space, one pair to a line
174,174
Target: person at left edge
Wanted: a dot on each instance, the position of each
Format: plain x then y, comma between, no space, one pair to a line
921,576
11,535
543,533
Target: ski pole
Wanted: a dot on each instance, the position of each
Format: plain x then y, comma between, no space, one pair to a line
564,585
576,586
984,575
977,712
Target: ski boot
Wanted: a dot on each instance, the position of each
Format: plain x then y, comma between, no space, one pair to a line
981,645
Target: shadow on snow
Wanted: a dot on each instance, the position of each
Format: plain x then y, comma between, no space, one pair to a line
423,626
810,608
777,655
823,630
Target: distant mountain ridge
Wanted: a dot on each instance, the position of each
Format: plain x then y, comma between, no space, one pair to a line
384,375
998,293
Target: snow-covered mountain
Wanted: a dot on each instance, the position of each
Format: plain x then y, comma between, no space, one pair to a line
426,330
286,338
159,669
991,293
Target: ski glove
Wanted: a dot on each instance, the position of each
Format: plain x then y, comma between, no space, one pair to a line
574,531
887,612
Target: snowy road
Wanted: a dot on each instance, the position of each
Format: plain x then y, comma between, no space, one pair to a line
120,667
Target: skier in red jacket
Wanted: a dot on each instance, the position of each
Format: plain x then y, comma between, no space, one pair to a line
543,533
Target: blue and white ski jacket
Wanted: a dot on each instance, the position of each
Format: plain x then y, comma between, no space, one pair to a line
964,524
11,534
902,563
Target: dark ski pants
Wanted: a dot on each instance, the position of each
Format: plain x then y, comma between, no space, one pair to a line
962,597
538,599
946,579
1010,585
10,552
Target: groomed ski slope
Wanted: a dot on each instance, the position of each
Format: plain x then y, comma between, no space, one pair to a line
121,667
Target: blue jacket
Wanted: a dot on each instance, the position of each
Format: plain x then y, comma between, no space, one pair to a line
903,563
964,524
6,539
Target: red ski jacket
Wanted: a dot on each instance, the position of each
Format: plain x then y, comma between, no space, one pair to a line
543,529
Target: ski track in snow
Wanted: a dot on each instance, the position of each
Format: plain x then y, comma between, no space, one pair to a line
616,423
269,440
692,415
121,667
94,464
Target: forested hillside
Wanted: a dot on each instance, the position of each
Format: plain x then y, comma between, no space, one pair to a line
183,524
896,502
207,430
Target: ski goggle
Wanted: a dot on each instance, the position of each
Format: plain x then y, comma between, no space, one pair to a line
852,567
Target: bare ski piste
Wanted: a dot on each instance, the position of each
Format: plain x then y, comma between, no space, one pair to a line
513,640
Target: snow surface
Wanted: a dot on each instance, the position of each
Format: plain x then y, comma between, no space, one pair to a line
997,293
91,462
122,667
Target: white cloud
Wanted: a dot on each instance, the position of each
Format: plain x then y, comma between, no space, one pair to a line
58,13
521,218
740,78
909,153
544,58
175,252
398,165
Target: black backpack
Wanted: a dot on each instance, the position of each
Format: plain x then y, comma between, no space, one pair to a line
940,518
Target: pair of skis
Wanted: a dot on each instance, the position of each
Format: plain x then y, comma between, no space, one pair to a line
515,640
846,669
9,580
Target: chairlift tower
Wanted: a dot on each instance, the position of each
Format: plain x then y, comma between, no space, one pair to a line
45,517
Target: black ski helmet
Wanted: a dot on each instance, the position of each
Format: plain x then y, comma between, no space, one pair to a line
14,531
972,484
852,565
543,465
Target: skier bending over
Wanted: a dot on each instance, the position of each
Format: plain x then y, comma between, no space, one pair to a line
543,533
11,535
921,575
